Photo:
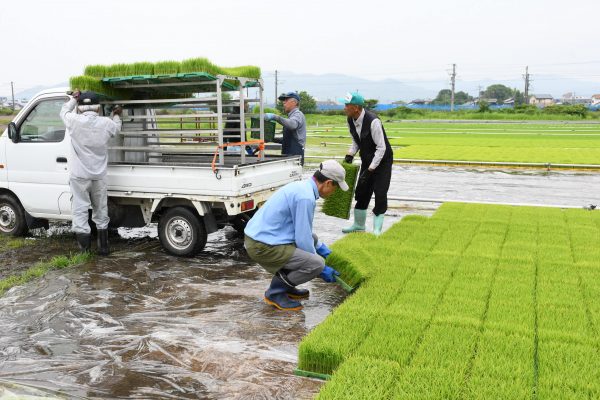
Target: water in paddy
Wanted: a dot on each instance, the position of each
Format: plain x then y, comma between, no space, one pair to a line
143,324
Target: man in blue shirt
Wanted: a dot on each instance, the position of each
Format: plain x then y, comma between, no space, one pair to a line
279,236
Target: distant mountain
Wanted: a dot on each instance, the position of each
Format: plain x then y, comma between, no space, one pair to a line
29,93
332,86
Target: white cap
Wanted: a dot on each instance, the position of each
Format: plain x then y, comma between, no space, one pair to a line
333,170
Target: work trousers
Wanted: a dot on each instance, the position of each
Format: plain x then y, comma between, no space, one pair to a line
303,266
378,183
86,193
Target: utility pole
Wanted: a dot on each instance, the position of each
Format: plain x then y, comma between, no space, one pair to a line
12,89
526,77
275,100
453,83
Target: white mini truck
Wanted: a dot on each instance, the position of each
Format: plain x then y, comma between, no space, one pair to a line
182,159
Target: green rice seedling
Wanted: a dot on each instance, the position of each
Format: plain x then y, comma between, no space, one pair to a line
166,67
568,370
84,83
502,368
362,378
350,326
246,71
97,71
118,70
352,273
394,336
439,365
461,310
340,202
457,320
510,316
455,241
406,227
199,65
142,68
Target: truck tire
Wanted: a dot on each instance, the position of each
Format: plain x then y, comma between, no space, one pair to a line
181,232
12,217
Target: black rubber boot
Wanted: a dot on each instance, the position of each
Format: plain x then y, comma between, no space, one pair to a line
84,241
103,249
298,294
276,295
292,291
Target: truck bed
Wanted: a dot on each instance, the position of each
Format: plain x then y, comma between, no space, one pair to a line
193,175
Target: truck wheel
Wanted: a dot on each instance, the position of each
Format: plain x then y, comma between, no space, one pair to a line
12,217
181,232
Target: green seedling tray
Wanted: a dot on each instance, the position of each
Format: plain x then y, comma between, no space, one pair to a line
340,202
308,374
344,285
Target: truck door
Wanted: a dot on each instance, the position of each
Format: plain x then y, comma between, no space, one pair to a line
37,164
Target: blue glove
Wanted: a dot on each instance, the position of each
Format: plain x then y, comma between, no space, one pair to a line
269,117
329,274
323,250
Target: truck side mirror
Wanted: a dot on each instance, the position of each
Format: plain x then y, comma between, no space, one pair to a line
13,133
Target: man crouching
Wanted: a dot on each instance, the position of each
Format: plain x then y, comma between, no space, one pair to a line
279,236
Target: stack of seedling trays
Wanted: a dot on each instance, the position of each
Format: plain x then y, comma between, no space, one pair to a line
146,80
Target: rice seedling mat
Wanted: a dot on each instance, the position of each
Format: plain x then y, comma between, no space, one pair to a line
475,302
340,202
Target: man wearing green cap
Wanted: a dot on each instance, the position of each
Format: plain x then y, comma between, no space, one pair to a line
368,137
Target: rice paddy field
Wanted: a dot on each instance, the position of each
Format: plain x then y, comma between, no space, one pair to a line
475,302
554,143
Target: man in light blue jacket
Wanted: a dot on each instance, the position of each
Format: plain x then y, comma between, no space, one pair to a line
280,236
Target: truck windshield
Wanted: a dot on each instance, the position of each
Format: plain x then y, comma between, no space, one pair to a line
43,123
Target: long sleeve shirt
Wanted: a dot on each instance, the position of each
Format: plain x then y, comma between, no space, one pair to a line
295,122
376,134
89,134
287,217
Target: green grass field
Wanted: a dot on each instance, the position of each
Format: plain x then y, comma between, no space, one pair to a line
476,302
489,142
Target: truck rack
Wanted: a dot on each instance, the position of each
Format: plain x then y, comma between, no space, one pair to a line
152,134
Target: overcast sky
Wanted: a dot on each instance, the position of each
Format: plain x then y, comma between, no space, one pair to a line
46,42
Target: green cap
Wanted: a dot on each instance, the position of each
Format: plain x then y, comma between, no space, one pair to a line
353,98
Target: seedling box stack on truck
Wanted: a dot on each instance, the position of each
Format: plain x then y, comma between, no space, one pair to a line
170,164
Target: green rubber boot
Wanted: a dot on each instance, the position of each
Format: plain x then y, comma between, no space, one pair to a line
378,224
360,217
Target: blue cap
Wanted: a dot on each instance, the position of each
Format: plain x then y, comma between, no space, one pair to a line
289,95
353,98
